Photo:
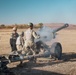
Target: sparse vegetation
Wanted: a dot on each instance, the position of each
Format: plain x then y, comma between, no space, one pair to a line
40,24
20,26
2,26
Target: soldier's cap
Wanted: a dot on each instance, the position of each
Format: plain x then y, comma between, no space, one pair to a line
30,24
14,29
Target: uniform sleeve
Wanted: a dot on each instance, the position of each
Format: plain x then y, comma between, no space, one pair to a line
35,35
24,36
18,41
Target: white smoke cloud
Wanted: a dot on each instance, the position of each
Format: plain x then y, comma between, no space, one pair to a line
46,34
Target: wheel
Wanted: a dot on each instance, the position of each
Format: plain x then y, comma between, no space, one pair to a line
56,50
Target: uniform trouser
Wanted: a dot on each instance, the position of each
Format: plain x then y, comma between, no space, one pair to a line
19,48
13,44
29,48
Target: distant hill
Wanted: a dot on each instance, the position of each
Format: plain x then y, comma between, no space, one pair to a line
56,25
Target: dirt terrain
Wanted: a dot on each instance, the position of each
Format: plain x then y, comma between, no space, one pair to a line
67,66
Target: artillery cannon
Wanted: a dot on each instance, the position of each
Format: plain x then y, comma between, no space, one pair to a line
56,48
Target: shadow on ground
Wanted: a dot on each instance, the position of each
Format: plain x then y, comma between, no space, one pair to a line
27,68
24,71
66,57
71,56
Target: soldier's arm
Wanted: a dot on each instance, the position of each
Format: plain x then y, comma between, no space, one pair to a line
24,36
35,35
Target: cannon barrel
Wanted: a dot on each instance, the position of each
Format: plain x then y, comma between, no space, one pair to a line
62,27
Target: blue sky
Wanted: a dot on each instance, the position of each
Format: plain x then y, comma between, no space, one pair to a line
37,11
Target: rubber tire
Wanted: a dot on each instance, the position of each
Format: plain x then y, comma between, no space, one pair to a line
57,50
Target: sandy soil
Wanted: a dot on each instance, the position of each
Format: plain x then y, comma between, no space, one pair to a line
67,66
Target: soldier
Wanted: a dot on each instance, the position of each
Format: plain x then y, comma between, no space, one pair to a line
19,45
29,36
20,41
13,39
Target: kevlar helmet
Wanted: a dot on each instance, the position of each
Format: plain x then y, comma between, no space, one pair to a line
30,24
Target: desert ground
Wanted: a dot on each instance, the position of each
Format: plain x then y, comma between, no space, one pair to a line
67,66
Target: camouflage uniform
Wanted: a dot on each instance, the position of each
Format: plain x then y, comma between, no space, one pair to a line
13,41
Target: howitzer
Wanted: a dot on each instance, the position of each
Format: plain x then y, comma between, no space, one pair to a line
56,47
55,51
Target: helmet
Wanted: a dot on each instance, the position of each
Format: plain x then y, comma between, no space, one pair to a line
14,29
30,24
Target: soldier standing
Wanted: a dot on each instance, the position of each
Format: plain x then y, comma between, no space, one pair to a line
20,41
13,39
29,36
